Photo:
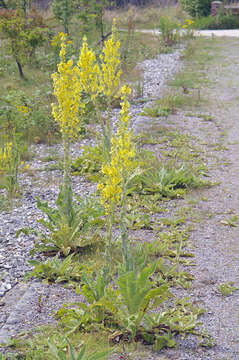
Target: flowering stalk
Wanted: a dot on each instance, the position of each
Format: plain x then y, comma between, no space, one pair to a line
67,90
116,174
101,79
89,74
127,154
56,45
110,75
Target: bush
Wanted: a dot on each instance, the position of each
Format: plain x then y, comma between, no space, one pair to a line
218,22
168,29
197,8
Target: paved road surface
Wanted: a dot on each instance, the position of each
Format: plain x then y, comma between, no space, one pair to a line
209,33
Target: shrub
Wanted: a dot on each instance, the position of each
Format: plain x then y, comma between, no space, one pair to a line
227,21
26,115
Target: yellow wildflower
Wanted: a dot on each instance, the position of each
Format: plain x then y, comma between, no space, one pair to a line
190,22
88,70
105,78
56,40
110,65
23,109
67,90
122,158
6,154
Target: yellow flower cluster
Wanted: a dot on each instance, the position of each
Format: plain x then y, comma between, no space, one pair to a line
88,70
110,65
56,40
23,109
6,154
67,90
190,22
87,76
122,158
104,77
187,24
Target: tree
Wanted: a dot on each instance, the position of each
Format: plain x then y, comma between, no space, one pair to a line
15,4
197,8
63,11
3,4
24,33
94,9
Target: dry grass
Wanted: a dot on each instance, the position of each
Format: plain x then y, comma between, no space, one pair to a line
144,17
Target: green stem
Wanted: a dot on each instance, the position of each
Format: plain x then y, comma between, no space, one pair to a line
106,142
66,161
108,252
106,128
66,186
108,124
13,171
125,245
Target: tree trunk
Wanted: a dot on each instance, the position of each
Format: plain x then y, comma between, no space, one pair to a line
20,69
102,27
66,27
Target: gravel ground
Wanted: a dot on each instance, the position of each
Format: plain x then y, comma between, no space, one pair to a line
215,246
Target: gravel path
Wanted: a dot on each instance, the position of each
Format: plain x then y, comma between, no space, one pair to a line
215,245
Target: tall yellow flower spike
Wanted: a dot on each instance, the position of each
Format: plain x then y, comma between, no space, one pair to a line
6,154
122,161
110,65
105,78
67,90
88,70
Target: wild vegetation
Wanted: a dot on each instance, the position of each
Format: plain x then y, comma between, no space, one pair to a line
127,285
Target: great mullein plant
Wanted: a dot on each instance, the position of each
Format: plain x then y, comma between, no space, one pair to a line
69,226
67,90
117,173
70,83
